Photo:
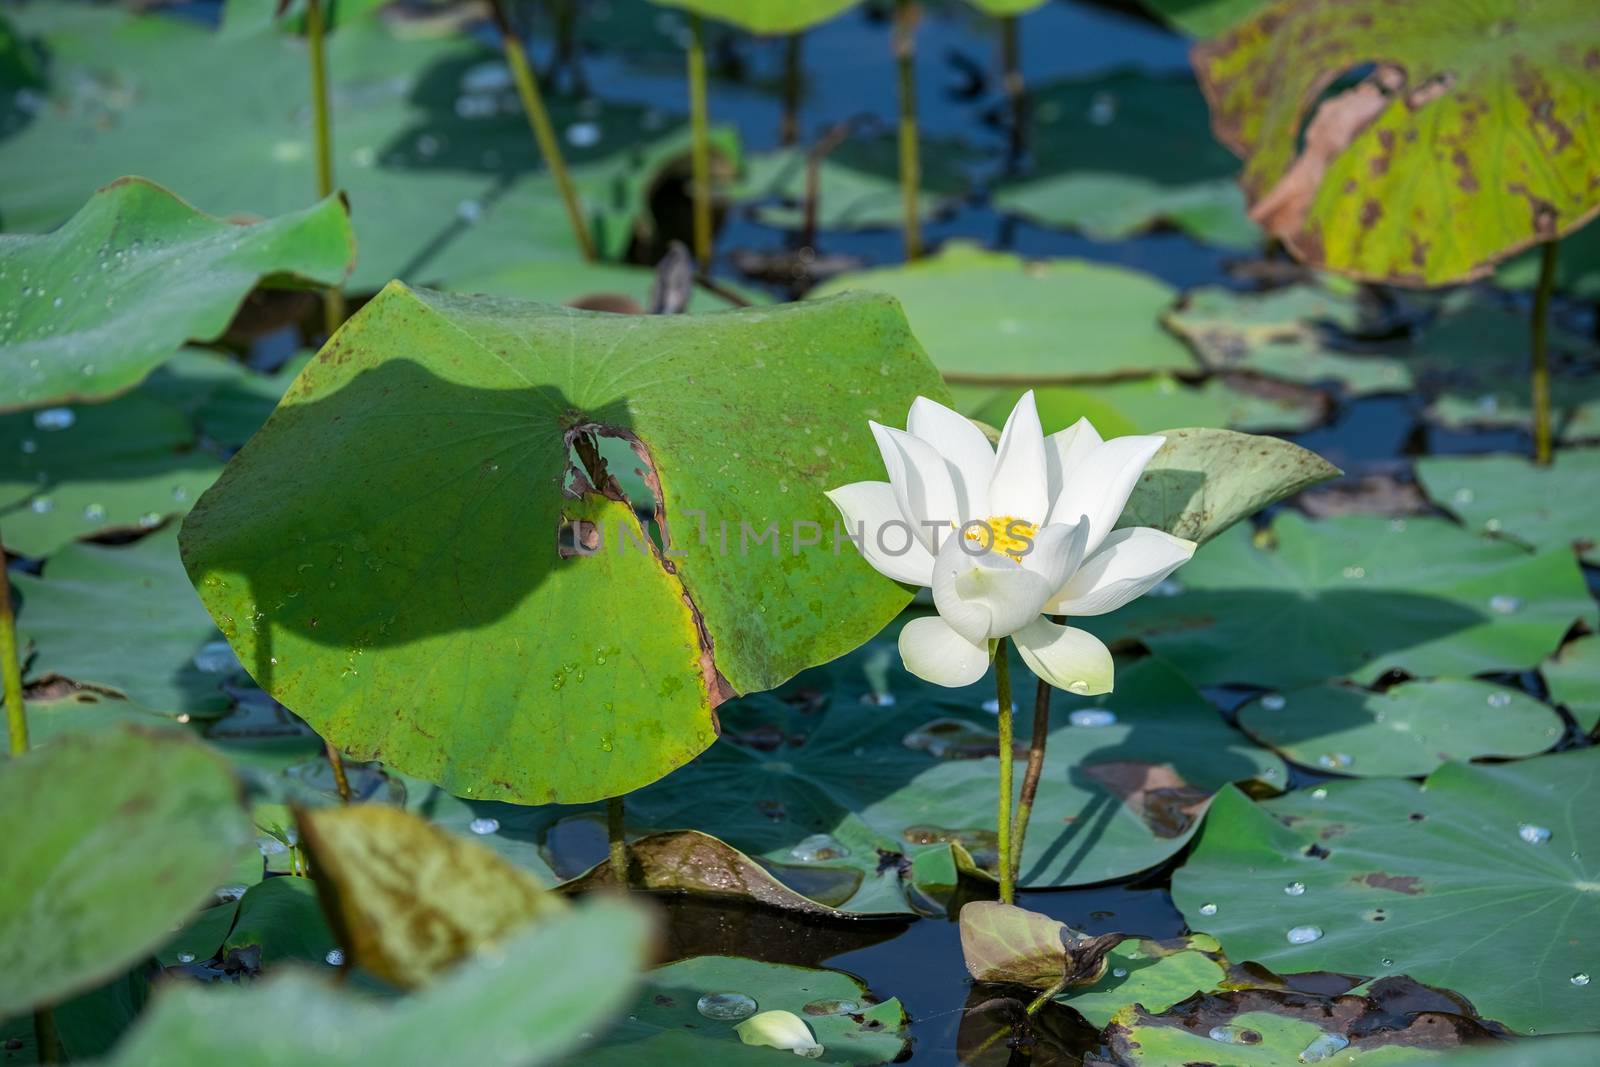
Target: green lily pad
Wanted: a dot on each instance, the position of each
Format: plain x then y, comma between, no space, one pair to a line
1507,496
1203,482
126,619
665,1024
1408,730
505,1006
136,272
378,870
994,317
765,16
1480,881
279,920
1576,1050
112,839
85,470
1289,334
1116,155
1153,974
322,553
1573,676
1148,405
201,937
1412,176
1357,596
85,711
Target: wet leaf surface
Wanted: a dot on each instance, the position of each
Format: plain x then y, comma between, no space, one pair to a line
1544,508
1153,974
1481,882
1573,676
112,840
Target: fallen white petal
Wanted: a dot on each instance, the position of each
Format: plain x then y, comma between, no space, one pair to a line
921,481
965,449
1018,488
779,1029
935,653
1066,657
887,540
1128,564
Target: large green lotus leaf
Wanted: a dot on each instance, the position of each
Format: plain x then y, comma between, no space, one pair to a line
80,471
1203,18
1508,496
111,841
665,1024
530,1004
1203,481
279,920
1358,596
126,619
1290,334
1115,155
1480,881
1154,974
1407,730
430,143
96,304
410,900
765,16
1573,676
397,525
224,399
88,1025
994,317
1148,405
1471,140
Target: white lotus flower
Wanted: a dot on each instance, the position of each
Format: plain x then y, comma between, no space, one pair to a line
779,1029
1003,539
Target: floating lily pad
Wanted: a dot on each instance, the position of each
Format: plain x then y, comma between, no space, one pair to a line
1468,142
1291,334
323,552
667,1024
1116,155
1481,881
1148,405
410,901
83,470
85,711
511,1006
1204,481
994,317
1542,507
279,920
1357,596
112,840
1407,730
126,619
1573,675
765,16
1153,974
1567,1051
98,303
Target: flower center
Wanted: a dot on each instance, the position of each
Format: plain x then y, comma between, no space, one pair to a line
1006,534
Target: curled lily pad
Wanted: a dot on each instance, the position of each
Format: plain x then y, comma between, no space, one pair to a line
1357,596
687,1012
1004,943
765,16
505,1005
1467,142
1507,496
1573,675
319,552
996,318
1446,883
407,900
98,303
112,840
1408,729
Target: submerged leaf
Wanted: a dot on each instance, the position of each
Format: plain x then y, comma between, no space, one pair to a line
409,901
1005,943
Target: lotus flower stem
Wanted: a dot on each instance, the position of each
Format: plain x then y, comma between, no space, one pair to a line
789,125
11,669
1541,352
333,307
1044,997
699,145
539,120
905,25
341,781
1002,685
1030,775
1016,92
617,840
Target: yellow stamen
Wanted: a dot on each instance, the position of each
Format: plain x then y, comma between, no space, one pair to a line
1003,533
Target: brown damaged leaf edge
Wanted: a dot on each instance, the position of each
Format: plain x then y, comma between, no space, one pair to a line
580,438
